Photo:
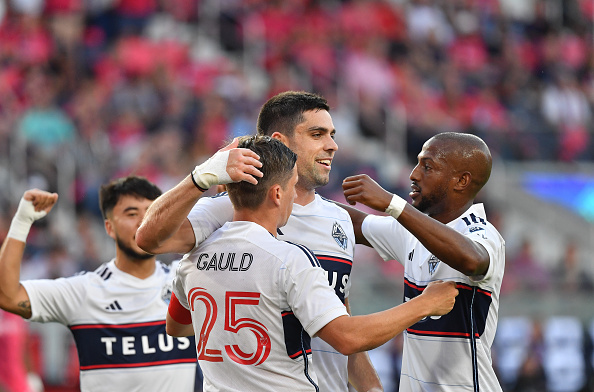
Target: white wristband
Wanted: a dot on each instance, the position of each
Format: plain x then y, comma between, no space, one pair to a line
213,171
23,219
396,206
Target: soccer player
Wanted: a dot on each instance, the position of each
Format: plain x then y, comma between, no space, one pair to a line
254,301
443,235
116,313
176,223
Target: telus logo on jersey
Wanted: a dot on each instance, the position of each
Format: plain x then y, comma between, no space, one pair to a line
339,235
224,262
102,346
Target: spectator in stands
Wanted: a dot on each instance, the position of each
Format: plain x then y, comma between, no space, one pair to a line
570,275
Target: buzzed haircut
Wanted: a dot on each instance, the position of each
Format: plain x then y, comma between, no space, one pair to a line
473,151
283,112
466,140
136,186
278,162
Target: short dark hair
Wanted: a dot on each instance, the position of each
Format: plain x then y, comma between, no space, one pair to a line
283,112
110,193
278,162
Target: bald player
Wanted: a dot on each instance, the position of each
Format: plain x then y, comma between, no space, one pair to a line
441,235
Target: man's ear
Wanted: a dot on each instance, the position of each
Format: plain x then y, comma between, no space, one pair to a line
109,228
275,194
463,181
282,137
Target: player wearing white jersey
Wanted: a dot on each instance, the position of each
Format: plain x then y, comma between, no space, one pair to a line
255,301
271,295
446,238
301,121
118,324
324,228
116,313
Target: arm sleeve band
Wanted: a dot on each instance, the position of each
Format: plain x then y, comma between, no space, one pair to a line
178,312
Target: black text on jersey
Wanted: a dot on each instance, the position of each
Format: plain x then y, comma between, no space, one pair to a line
224,261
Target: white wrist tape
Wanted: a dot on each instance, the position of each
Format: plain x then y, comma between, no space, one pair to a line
23,219
213,171
396,206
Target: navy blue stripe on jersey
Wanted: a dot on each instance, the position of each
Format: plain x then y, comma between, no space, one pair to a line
109,346
219,195
473,352
338,270
312,258
297,342
467,318
104,273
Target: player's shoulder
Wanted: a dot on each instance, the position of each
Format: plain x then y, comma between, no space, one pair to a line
331,208
103,273
474,220
298,252
221,197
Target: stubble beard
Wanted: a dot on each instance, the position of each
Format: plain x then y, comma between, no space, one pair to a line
429,201
131,253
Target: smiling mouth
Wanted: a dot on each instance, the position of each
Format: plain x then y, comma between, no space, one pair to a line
325,162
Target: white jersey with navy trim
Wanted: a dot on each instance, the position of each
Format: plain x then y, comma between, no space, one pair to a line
324,228
255,301
452,352
118,323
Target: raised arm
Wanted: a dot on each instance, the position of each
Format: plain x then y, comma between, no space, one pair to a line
352,334
165,227
448,245
34,205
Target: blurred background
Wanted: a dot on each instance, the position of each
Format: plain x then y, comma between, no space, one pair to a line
91,90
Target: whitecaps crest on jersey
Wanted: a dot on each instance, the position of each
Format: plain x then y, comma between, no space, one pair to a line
166,293
339,235
433,263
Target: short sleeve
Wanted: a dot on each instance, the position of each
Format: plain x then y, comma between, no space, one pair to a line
209,214
55,300
386,235
178,287
310,297
494,244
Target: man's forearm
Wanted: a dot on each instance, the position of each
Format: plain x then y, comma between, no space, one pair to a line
362,374
450,246
165,216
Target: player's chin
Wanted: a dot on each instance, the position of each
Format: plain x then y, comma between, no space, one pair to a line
322,179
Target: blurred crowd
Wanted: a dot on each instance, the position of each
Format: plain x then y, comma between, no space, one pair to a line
95,89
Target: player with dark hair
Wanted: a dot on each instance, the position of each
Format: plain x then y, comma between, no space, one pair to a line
254,301
177,221
442,235
115,313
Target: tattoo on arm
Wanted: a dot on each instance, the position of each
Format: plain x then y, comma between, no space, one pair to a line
25,308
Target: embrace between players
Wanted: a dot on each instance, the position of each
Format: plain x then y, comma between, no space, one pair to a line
252,287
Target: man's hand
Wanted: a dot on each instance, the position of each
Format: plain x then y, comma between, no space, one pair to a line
362,189
440,296
34,205
229,164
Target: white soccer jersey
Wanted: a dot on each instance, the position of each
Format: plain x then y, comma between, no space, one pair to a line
324,228
254,328
118,323
452,352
